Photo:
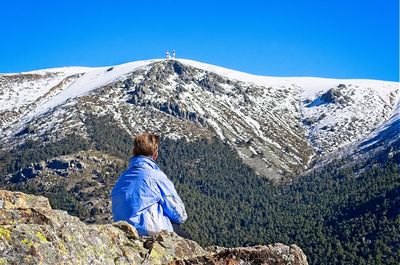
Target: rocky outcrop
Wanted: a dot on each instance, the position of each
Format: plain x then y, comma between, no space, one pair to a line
271,254
332,96
33,233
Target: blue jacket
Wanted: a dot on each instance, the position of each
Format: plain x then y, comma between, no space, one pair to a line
144,197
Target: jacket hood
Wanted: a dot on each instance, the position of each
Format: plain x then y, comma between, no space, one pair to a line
141,161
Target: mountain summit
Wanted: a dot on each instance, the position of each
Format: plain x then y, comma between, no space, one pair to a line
278,125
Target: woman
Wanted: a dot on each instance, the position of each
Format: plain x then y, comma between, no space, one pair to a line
143,195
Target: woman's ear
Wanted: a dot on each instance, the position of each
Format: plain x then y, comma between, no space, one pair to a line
155,155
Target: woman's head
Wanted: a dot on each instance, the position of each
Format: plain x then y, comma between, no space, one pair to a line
146,144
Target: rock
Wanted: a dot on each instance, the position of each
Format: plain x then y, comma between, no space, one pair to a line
331,96
19,200
33,233
262,255
39,166
129,230
166,246
57,164
24,174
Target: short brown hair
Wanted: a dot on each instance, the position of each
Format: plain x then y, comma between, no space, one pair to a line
145,144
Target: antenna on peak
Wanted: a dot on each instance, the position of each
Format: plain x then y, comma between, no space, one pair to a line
167,55
173,54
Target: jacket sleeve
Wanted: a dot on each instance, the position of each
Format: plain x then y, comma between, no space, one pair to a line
171,202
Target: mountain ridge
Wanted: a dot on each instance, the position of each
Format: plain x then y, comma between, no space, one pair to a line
277,125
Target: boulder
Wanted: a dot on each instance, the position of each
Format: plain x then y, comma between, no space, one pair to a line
263,255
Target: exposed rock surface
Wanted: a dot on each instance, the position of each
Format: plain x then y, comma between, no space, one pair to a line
33,233
287,123
271,254
87,175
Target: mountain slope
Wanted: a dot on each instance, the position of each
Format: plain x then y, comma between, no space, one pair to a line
318,211
277,125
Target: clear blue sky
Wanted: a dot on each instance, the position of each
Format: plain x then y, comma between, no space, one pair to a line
327,38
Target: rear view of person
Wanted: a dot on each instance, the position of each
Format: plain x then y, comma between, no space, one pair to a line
143,195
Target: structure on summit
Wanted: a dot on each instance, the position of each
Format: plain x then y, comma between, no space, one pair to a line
168,55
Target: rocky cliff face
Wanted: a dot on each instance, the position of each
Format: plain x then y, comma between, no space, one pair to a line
33,233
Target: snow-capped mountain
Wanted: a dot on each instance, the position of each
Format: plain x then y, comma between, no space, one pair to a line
278,125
